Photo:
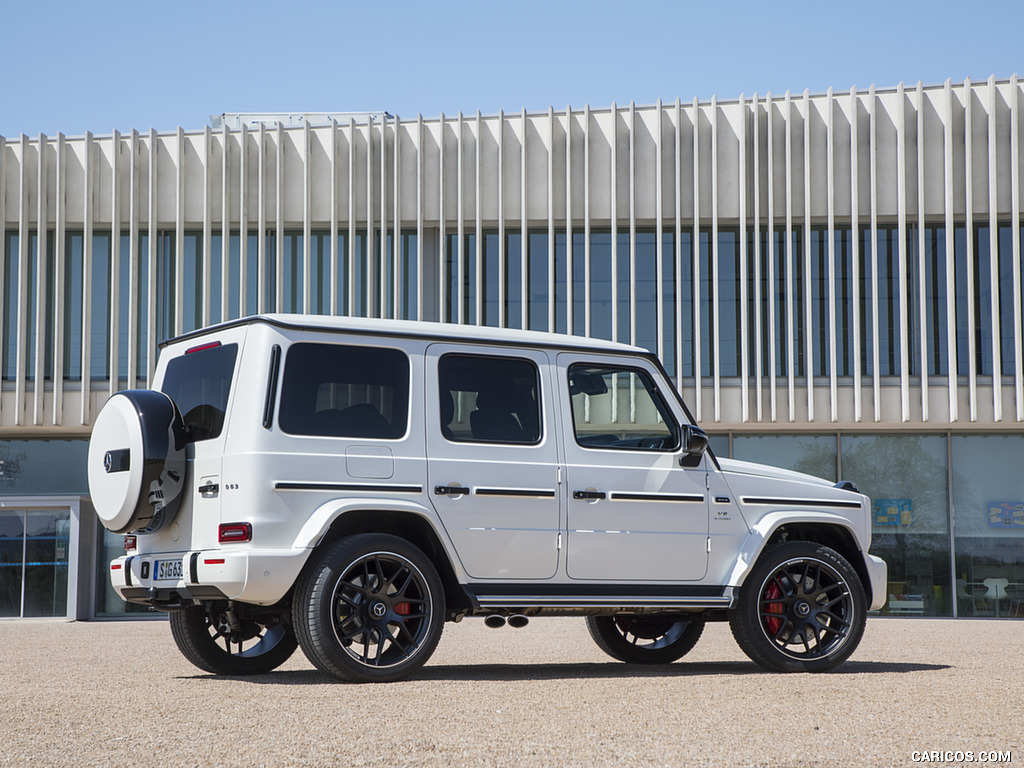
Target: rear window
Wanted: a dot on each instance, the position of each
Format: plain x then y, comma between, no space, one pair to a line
199,382
336,390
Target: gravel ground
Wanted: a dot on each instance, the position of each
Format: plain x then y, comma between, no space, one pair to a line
119,693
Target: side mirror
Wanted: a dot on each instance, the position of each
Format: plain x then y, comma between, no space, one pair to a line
695,442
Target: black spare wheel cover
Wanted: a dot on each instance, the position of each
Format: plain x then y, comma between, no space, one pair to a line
137,461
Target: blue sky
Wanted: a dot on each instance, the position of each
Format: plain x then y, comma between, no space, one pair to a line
100,66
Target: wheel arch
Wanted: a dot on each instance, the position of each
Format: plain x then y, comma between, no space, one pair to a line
834,532
409,521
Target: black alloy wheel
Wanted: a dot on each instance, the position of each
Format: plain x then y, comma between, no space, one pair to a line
369,609
802,609
645,639
215,642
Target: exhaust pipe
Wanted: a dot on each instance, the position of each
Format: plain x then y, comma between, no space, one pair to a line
495,621
518,621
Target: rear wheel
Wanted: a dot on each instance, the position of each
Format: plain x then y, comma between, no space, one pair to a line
217,641
370,608
645,639
801,609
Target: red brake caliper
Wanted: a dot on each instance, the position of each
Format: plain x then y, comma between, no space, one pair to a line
403,609
771,593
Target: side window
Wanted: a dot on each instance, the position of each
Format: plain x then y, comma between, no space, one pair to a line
334,390
619,408
199,382
489,399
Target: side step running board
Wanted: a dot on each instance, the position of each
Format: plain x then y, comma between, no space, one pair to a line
606,601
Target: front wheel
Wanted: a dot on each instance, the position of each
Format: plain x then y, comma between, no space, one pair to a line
217,641
801,609
645,639
370,608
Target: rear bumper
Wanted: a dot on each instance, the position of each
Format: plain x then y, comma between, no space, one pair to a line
878,573
262,577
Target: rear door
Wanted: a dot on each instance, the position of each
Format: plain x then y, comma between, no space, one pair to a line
200,381
492,459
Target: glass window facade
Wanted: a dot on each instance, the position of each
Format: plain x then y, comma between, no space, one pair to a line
35,542
27,467
988,504
970,567
97,281
811,454
536,280
800,294
906,477
34,555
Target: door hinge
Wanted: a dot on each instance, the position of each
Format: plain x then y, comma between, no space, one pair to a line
707,481
709,545
559,475
559,541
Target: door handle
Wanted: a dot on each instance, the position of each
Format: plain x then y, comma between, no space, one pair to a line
209,490
451,490
588,495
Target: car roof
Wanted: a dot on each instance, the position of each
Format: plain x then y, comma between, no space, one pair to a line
443,332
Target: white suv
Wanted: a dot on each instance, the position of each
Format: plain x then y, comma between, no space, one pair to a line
349,485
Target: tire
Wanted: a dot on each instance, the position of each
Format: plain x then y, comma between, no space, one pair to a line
137,462
251,649
369,608
801,609
645,639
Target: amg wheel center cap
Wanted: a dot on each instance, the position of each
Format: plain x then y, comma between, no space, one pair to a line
802,608
378,609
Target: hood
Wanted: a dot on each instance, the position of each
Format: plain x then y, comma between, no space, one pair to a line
732,466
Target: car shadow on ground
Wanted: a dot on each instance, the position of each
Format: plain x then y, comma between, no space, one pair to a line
610,670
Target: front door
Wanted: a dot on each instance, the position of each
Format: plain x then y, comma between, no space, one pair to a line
634,514
492,458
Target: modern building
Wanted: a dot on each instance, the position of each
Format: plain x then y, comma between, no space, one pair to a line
833,279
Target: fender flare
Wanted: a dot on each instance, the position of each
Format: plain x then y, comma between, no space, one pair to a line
320,522
766,527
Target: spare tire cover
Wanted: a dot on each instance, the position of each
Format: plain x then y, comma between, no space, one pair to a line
137,461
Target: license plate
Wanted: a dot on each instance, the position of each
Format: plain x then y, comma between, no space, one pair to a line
167,570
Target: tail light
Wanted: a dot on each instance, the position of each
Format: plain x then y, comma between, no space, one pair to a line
130,543
234,533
